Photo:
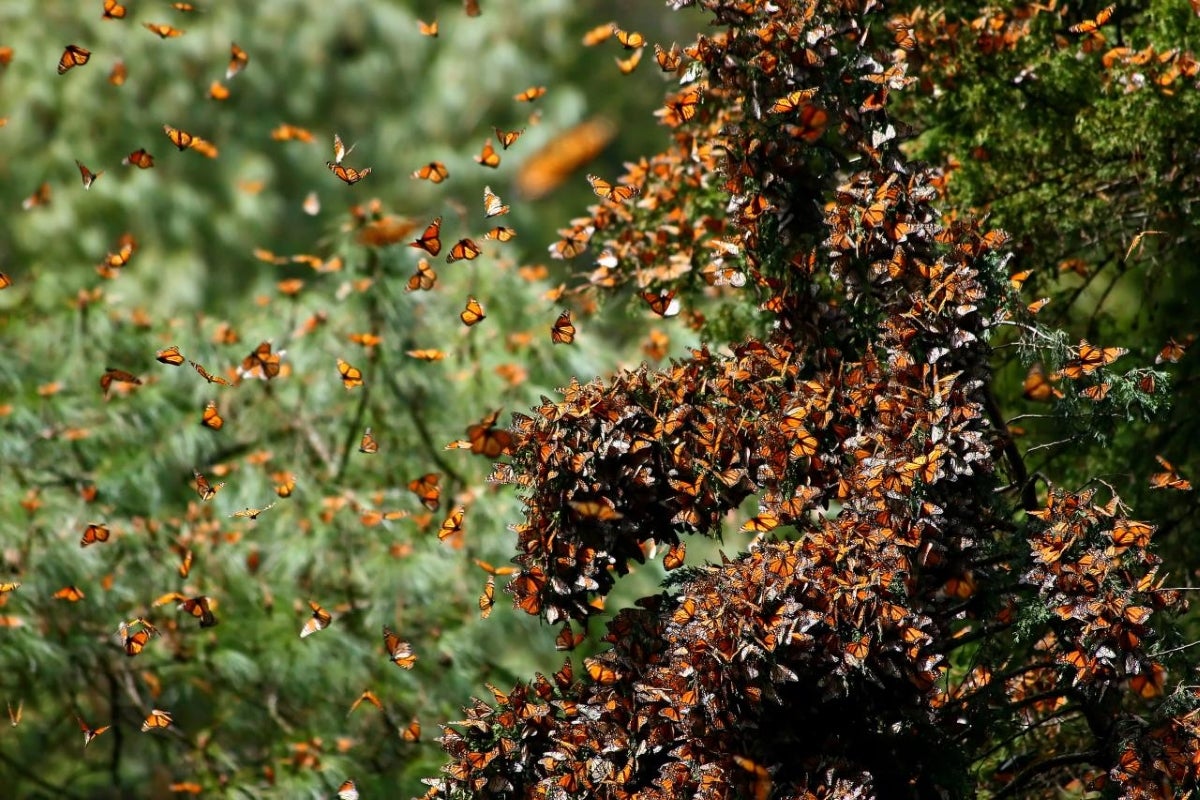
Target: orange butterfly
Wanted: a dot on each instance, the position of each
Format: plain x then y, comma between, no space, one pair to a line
793,101
493,206
348,174
500,234
157,720
607,191
1040,387
218,91
668,60
185,564
1092,25
339,149
453,524
507,138
285,483
252,513
207,375
530,94
682,107
135,642
351,376
368,443
118,375
434,172
94,533
198,607
1169,479
558,158
563,330
430,354
73,56
347,791
369,697
5,281
630,40
488,599
423,279
472,8
205,489
140,159
238,60
72,594
463,250
473,314
286,133
164,31
488,440
181,139
170,355
117,74
113,10
1172,351
90,733
400,652
489,157
1090,359
261,363
413,732
663,303
211,417
428,28
39,198
427,490
598,510
88,176
318,622
430,241
628,65
12,586
572,245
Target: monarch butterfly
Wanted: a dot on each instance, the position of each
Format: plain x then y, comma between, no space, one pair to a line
628,65
12,586
430,241
170,355
368,443
184,7
488,440
463,250
94,533
663,303
530,94
488,599
205,489
88,176
198,608
1040,387
472,8
426,489
413,732
600,672
1092,25
39,198
668,60
597,510
682,107
286,133
351,375
252,513
118,73
1169,479
72,594
90,733
812,122
185,564
238,60
428,28
489,157
674,557
558,158
157,720
400,652
347,791
793,101
567,639
434,172
563,330
473,314
1172,351
348,174
430,354
5,281
339,149
164,31
113,10
500,234
630,40
452,524
572,244
493,206
1090,359
204,147
285,483
319,620
138,158
73,56
369,697
218,91
507,138
207,375
14,717
261,362
1096,393
118,375
181,139
211,418
423,279
607,191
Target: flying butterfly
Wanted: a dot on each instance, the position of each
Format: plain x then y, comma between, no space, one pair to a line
399,651
558,158
88,176
347,791
452,524
93,533
628,65
206,490
90,733
427,354
198,607
261,363
488,440
1099,21
41,197
73,56
488,599
170,355
218,91
211,418
72,594
463,250
181,139
208,376
563,330
507,138
493,206
252,513
369,697
368,444
340,150
428,28
349,175
500,234
471,7
473,314
530,94
488,157
1091,358
14,717
607,191
351,375
427,490
630,40
138,158
430,241
164,31
112,375
423,279
238,61
285,483
412,733
434,172
118,74
319,620
662,303
113,10
156,720
1169,479
793,101
668,60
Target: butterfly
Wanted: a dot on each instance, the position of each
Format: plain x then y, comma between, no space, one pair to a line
434,172
400,652
211,418
488,599
1169,479
428,28
117,74
185,564
163,31
218,91
347,791
463,250
286,133
1092,25
472,8
73,56
530,94
1090,359
94,533
682,107
793,101
427,490
567,639
339,149
14,717
430,354
1040,387
562,155
252,513
318,622
135,642
348,174
563,330
367,696
39,198
112,375
488,440
205,489
170,355
11,586
285,483
493,206
198,608
628,65
90,733
207,375
668,60
157,720
473,314
595,510
351,375
139,158
413,732
88,176
181,139
423,279
500,234
489,157
113,10
261,363
238,60
1172,351
507,138
72,594
368,443
607,191
662,303
452,524
5,281
430,241
630,40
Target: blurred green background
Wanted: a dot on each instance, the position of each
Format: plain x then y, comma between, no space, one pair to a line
258,711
